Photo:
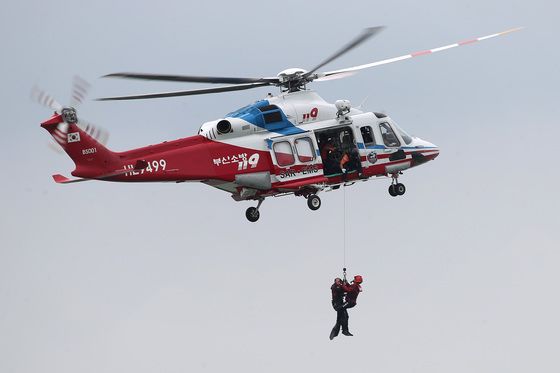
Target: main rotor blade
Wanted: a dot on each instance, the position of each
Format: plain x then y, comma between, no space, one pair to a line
191,79
350,70
187,93
366,34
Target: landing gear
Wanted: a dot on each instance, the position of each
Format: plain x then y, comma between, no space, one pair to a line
314,202
400,189
252,213
396,188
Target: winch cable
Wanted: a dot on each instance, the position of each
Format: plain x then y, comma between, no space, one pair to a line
344,230
344,223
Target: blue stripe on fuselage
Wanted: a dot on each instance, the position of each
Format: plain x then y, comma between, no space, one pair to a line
375,147
253,115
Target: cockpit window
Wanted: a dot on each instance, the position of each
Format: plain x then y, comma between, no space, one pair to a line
405,136
389,137
367,135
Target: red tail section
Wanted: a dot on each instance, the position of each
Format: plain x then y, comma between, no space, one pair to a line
90,157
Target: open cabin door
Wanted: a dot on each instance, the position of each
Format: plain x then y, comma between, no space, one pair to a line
295,157
339,151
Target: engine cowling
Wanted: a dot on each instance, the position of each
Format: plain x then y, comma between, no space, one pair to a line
225,128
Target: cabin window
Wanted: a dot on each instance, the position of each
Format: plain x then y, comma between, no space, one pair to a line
388,135
304,149
367,135
284,154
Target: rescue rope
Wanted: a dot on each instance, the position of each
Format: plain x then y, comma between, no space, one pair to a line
344,224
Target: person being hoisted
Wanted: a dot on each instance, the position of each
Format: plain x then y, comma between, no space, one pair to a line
337,293
352,291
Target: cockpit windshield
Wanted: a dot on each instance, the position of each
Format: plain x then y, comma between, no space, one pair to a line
405,136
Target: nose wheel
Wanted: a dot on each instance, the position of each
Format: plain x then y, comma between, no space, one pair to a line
252,213
396,188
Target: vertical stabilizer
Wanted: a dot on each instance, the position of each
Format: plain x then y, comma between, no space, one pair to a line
90,156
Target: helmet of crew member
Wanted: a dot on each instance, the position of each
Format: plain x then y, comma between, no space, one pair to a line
358,279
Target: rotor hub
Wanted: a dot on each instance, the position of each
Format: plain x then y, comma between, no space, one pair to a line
293,73
69,115
293,79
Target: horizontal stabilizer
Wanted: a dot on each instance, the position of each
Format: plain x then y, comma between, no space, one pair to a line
61,179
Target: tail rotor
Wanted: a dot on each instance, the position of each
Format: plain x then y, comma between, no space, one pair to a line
45,99
80,89
99,134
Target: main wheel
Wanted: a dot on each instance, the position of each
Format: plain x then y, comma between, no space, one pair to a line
400,189
314,202
252,214
393,190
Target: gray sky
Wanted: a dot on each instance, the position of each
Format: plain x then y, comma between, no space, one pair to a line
461,274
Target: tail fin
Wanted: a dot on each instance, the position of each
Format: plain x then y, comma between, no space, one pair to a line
90,156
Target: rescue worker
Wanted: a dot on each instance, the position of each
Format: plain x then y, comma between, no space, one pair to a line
350,161
344,161
337,293
329,155
352,291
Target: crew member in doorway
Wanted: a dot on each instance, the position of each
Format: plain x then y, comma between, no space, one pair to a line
337,292
344,161
352,291
329,154
350,161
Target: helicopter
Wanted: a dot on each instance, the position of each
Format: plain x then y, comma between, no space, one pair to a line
292,143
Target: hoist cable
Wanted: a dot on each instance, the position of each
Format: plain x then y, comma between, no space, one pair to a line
344,224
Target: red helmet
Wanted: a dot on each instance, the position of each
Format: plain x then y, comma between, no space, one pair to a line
358,279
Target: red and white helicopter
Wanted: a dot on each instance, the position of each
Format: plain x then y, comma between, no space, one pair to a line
293,143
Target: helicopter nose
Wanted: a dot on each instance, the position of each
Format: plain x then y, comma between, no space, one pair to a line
435,152
433,148
420,143
428,151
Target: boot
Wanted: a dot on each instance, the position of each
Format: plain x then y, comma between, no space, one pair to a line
334,332
347,333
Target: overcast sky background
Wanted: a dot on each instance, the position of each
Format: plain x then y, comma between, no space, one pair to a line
461,274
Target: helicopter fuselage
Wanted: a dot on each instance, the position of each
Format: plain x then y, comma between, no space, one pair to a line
292,143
